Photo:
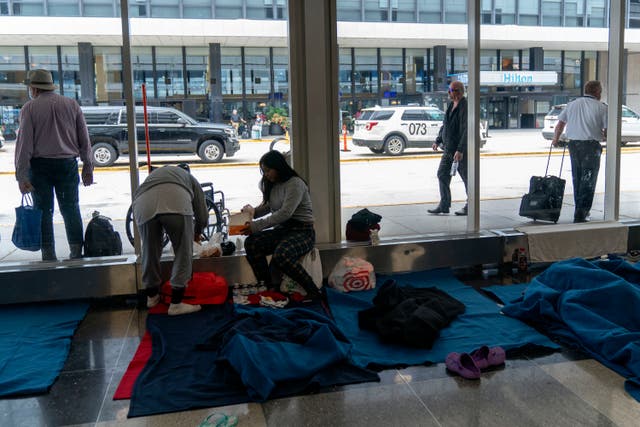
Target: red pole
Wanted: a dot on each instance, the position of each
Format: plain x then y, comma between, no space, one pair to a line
146,125
344,138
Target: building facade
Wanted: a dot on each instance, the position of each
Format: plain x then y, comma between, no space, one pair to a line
207,57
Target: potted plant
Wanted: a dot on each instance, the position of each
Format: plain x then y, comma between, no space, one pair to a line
278,120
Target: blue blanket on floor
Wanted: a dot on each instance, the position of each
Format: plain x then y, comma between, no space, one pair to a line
592,304
223,356
481,324
34,344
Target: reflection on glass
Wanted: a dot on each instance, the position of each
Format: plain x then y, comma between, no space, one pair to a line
142,66
256,69
231,71
197,60
70,72
366,71
108,65
169,71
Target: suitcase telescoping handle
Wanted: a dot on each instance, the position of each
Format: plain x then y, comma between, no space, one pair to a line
564,148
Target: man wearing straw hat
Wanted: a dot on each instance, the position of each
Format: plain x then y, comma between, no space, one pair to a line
53,134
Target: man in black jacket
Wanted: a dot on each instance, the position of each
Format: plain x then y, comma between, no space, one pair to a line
452,138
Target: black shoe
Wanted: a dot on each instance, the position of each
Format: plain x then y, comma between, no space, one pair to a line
438,210
579,220
462,212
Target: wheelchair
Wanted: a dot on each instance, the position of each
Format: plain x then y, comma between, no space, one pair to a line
218,216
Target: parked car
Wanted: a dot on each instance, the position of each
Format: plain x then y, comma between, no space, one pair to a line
630,129
170,131
391,130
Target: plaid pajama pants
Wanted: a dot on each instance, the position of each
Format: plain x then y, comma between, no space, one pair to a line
286,243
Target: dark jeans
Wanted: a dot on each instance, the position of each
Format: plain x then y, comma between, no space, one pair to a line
585,165
61,176
444,177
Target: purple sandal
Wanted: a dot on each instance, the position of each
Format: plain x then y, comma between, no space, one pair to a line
485,357
463,365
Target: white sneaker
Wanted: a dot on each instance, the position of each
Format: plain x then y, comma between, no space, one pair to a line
153,301
182,308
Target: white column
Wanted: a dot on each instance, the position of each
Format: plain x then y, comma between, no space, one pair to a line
473,127
614,100
313,64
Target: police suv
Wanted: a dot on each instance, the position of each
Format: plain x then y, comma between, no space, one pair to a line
391,130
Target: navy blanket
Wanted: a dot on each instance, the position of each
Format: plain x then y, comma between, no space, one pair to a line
220,356
481,324
592,304
34,342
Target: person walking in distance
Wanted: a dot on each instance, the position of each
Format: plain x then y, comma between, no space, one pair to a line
586,122
452,139
53,134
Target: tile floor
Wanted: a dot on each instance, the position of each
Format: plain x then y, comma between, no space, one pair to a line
560,389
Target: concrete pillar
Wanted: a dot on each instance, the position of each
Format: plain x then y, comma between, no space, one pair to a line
536,59
440,69
215,83
86,74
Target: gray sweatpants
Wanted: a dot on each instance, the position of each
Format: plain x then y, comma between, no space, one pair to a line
179,228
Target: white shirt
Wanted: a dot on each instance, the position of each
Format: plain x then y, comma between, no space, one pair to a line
585,117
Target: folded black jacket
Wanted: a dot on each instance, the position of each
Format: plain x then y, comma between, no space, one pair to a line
410,316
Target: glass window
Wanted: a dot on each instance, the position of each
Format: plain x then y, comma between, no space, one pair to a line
574,13
108,66
509,60
169,72
429,11
391,75
198,9
416,72
551,13
280,73
525,60
488,60
345,72
228,9
486,12
376,10
97,8
70,71
165,8
197,59
63,8
571,75
142,67
256,69
4,8
138,9
168,117
634,13
44,57
403,10
595,13
366,71
382,115
528,12
349,10
415,115
28,8
552,61
455,12
460,64
590,65
259,9
231,64
12,88
505,12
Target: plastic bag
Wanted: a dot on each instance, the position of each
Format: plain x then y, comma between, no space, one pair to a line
313,266
352,274
27,230
211,248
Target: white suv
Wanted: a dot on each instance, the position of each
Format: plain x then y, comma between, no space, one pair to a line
630,129
391,130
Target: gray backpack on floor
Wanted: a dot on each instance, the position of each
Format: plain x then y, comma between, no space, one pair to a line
101,239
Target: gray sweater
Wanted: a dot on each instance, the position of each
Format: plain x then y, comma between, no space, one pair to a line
170,190
288,200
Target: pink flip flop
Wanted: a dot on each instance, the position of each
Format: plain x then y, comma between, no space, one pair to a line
485,357
463,365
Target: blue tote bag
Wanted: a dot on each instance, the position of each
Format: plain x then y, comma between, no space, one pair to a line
27,231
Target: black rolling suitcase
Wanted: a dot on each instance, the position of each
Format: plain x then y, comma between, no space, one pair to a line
544,199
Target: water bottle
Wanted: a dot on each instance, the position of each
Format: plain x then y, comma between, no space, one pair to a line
454,167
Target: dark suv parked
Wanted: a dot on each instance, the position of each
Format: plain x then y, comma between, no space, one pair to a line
170,131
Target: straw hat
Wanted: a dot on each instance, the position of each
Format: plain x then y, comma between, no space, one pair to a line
40,79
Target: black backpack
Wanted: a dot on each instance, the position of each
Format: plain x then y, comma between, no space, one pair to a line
101,239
